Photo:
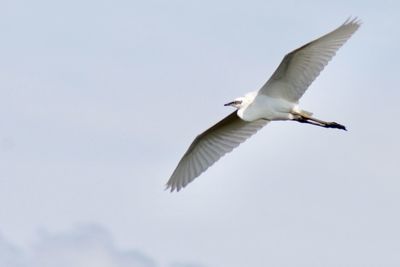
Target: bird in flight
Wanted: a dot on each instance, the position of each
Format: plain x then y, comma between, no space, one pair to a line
278,99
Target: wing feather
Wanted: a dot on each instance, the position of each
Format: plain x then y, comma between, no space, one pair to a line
299,68
210,146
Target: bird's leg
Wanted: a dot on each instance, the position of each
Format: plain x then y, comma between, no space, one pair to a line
310,120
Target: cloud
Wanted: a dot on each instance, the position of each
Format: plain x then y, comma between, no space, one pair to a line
10,256
185,265
82,246
88,245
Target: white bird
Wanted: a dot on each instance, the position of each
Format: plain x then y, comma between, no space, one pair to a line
278,99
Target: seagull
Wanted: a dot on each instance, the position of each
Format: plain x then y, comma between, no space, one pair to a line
278,99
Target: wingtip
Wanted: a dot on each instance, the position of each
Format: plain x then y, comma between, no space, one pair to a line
353,20
172,188
169,188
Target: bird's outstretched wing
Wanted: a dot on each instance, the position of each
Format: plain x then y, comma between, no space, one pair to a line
210,146
299,68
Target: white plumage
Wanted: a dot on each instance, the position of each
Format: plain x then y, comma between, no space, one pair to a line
276,100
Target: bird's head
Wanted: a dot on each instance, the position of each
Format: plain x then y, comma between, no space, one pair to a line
242,102
237,103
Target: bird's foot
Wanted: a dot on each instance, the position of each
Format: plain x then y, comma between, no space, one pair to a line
335,125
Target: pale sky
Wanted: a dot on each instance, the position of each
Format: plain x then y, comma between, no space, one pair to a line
100,99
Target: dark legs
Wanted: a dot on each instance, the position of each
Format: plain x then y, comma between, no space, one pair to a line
306,119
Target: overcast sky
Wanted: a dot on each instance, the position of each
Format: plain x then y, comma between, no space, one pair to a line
100,99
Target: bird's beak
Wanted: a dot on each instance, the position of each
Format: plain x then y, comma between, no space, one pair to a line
230,103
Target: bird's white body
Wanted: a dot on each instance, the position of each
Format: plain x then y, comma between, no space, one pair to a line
266,107
277,100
